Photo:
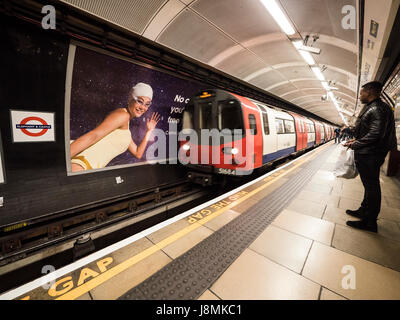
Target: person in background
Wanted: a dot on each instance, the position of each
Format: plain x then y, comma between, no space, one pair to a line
337,137
375,136
96,148
346,134
351,132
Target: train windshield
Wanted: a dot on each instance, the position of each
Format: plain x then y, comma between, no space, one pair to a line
230,115
226,114
205,115
188,115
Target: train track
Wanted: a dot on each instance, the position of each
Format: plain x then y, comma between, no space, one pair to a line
100,227
86,234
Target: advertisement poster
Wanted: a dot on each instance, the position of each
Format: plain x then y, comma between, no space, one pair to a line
114,104
29,126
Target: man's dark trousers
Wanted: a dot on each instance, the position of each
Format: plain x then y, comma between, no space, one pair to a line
368,166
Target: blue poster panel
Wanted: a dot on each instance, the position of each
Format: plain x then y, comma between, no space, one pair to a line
116,109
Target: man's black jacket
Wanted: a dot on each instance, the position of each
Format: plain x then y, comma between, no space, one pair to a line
375,129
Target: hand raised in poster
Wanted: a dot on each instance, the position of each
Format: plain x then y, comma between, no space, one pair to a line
152,122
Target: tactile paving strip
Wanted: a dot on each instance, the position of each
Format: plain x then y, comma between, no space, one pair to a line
188,276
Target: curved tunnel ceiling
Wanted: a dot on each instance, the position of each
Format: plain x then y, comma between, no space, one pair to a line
241,38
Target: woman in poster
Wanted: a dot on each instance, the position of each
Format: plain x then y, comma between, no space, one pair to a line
112,137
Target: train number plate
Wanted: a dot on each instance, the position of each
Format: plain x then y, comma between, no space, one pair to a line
227,171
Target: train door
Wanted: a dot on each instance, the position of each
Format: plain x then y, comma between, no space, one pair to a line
297,130
305,132
301,135
327,133
313,135
252,119
321,128
311,141
317,132
268,129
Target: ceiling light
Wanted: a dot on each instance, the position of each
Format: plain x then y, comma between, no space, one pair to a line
332,96
335,102
346,112
344,119
318,73
325,85
280,18
298,44
306,55
310,49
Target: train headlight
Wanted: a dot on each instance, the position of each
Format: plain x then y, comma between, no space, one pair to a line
186,147
230,150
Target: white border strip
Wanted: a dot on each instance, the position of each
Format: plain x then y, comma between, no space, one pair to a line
14,293
67,105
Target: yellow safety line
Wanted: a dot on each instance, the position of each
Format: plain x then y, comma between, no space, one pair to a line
86,287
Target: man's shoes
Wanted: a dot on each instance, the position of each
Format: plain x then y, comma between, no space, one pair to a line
363,225
356,213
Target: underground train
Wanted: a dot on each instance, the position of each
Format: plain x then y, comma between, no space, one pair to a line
265,134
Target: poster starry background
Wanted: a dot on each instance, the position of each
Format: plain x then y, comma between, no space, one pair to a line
101,84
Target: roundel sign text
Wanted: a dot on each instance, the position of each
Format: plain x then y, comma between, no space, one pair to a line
32,126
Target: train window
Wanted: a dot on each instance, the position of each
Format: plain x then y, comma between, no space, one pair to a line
205,121
289,126
261,107
253,124
188,117
266,123
230,115
279,126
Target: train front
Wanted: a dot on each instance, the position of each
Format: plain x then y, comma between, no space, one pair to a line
214,140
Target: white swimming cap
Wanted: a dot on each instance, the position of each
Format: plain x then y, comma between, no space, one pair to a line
142,90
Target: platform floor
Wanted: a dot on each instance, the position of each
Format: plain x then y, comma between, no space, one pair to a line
303,254
307,252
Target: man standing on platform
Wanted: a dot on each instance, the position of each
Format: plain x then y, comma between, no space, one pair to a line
337,138
375,136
